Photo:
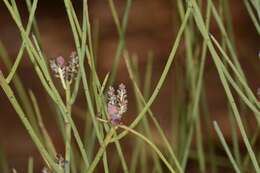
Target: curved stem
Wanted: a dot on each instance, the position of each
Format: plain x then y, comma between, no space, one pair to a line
151,144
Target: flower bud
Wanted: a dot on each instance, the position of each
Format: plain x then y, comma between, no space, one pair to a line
60,61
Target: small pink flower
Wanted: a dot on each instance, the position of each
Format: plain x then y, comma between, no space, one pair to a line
117,104
60,61
66,71
112,109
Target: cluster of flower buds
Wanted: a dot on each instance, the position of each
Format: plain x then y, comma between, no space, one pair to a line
60,161
117,104
65,71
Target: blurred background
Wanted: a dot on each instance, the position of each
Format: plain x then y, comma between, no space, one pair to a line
152,27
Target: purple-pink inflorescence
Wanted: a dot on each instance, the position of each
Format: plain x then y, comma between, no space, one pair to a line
65,70
117,104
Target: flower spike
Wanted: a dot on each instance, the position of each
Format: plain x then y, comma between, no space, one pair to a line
66,72
117,104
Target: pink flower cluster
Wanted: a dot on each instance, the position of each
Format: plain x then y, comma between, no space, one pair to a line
117,104
66,71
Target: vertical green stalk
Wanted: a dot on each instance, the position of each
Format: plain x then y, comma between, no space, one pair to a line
9,93
121,43
163,76
3,161
222,139
194,110
46,137
96,82
203,30
208,122
134,75
101,150
167,143
139,135
68,130
16,79
30,165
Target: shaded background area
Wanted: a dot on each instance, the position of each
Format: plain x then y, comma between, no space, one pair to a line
152,27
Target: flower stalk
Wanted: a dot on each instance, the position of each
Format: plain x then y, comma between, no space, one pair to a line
66,72
101,150
68,130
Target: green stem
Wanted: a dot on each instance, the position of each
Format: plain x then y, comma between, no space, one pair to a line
68,130
9,93
223,141
101,151
216,59
121,43
151,144
47,139
163,76
150,113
